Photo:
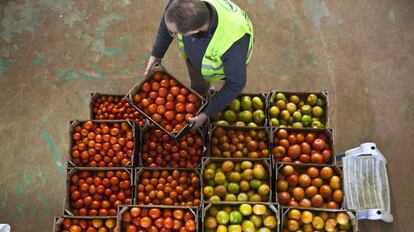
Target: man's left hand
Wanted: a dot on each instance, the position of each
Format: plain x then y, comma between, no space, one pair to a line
198,120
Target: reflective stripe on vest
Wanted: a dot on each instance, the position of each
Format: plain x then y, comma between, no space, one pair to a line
181,46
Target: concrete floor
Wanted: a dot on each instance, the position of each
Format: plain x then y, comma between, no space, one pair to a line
53,53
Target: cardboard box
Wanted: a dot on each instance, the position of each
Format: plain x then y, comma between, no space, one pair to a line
95,96
134,128
148,128
267,163
124,208
267,130
274,208
58,223
302,95
67,208
139,171
327,131
353,220
263,96
300,168
158,68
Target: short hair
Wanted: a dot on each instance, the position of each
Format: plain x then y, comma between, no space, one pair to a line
187,15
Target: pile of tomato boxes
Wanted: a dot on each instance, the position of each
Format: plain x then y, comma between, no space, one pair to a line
266,163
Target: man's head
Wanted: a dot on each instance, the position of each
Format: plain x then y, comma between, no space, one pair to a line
186,16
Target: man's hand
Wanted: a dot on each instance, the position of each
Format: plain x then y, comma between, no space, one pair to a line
151,62
198,120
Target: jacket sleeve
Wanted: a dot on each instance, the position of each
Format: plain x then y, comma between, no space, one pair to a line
163,39
234,64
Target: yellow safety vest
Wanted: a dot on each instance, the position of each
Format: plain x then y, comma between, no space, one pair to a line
233,24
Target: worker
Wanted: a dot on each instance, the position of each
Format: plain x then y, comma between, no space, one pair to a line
216,41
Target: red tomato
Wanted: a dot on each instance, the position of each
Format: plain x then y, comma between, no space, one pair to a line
180,98
190,108
178,214
159,222
180,107
179,117
161,109
158,76
178,127
155,86
154,213
175,90
75,228
188,216
160,101
167,212
170,105
145,102
157,118
184,91
192,98
146,87
168,222
152,108
145,222
190,225
173,82
162,92
135,211
169,115
169,97
153,95
165,83
131,228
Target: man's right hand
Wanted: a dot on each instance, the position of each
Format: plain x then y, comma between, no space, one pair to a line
151,62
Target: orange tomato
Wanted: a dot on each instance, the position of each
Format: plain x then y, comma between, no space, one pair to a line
192,98
160,101
175,90
144,102
135,212
180,98
187,116
190,108
153,95
157,118
184,91
168,128
155,86
165,83
162,92
161,109
173,82
179,117
137,98
169,97
157,76
170,115
317,158
146,87
152,108
170,105
180,107
178,127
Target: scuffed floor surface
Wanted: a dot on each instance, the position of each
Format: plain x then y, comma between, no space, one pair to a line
54,53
